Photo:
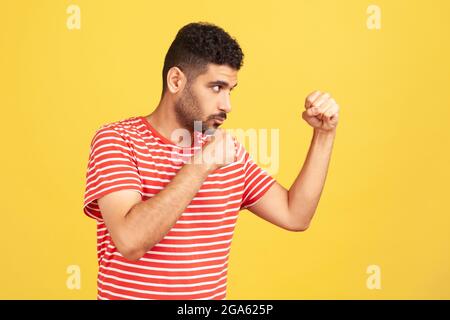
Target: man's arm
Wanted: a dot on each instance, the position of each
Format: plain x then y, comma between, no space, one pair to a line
294,209
136,226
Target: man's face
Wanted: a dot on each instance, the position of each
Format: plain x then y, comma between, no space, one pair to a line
207,98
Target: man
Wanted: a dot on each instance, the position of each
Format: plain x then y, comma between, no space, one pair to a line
166,204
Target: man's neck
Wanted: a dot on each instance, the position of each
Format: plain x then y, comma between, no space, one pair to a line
164,121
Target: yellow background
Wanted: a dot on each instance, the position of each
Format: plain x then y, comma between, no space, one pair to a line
385,199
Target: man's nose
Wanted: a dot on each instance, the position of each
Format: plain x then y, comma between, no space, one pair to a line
225,105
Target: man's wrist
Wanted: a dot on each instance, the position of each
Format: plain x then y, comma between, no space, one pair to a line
324,133
321,136
200,165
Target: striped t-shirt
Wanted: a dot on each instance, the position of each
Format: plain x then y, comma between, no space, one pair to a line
191,261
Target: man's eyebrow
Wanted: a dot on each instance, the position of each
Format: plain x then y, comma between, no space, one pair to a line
221,83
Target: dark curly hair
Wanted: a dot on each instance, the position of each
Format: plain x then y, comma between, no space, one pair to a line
196,45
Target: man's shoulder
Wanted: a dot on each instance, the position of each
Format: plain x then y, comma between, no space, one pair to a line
127,129
129,124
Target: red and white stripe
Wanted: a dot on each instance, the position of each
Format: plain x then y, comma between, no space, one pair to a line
191,261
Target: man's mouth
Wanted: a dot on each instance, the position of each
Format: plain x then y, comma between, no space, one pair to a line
219,120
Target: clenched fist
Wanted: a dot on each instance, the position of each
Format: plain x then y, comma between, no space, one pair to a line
218,151
322,111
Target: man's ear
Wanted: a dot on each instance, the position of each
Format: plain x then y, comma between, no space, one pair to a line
176,80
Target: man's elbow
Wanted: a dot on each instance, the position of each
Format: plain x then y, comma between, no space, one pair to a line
132,254
130,251
300,226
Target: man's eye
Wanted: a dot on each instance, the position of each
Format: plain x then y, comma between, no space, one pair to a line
216,88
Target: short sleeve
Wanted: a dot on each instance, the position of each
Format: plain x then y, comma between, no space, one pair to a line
257,181
112,167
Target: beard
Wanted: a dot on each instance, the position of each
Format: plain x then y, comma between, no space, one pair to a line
188,112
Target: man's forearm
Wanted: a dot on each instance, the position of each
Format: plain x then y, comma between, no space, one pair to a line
149,221
306,190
